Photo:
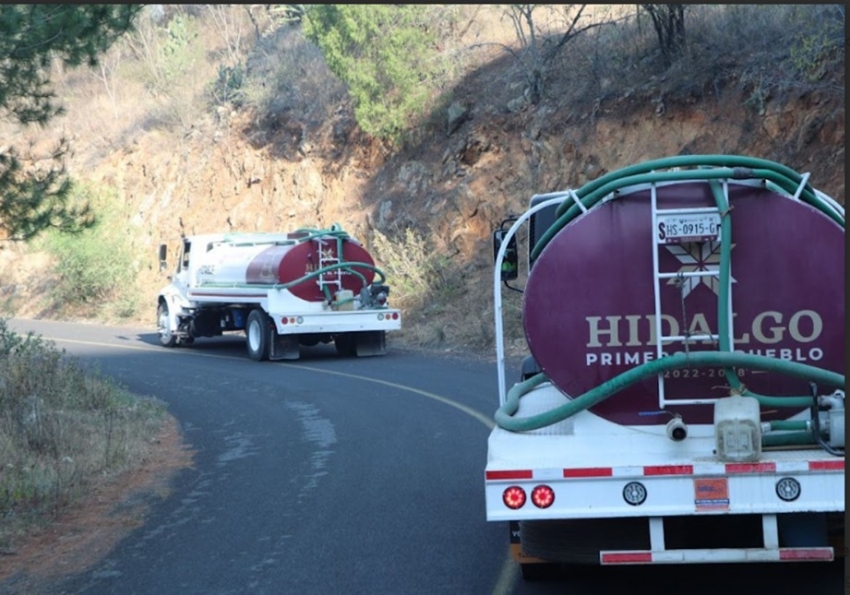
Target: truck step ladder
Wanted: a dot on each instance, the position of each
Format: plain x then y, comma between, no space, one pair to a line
658,275
328,278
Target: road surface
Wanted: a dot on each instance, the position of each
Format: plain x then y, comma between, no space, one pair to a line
331,475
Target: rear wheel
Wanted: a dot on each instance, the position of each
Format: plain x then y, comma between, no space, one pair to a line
538,571
258,331
166,337
345,345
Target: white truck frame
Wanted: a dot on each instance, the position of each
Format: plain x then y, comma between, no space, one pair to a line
585,490
276,322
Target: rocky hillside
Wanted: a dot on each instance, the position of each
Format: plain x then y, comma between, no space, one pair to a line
452,183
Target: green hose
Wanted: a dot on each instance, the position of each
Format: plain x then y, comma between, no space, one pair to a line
504,415
310,275
336,232
788,439
723,306
726,167
734,167
791,179
780,426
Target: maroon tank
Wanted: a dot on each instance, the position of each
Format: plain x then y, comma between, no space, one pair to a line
284,264
589,306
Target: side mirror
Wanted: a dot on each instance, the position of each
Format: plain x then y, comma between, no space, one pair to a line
163,252
510,263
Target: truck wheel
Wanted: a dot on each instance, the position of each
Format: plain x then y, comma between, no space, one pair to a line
345,345
538,571
166,337
258,333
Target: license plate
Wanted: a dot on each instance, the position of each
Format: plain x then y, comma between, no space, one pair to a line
697,227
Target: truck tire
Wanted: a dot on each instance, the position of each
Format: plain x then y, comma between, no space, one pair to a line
538,571
577,543
166,337
258,335
346,345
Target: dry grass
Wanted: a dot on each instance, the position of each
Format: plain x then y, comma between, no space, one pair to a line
61,427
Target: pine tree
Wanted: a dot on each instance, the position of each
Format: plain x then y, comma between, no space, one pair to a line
32,36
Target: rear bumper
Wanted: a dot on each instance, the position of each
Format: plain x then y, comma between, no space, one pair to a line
337,322
807,537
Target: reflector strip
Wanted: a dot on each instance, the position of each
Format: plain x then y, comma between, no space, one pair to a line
826,465
656,470
226,295
751,468
719,555
525,474
669,470
627,558
812,553
589,472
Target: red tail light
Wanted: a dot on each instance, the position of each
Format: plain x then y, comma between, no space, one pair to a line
514,497
543,496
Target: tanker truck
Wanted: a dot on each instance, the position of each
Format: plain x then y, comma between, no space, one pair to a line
681,396
283,290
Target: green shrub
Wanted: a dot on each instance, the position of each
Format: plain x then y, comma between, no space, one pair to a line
227,89
813,50
387,56
97,265
416,273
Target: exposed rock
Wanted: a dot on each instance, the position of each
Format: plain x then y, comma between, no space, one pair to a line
458,114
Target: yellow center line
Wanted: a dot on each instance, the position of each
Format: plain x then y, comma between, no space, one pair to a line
508,571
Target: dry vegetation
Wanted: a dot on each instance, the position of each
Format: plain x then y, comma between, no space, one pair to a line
217,117
62,426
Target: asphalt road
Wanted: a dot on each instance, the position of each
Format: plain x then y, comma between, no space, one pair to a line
338,476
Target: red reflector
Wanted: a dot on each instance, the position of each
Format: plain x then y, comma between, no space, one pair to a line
826,465
395,315
627,558
814,553
508,475
589,472
514,497
751,468
669,470
543,496
284,320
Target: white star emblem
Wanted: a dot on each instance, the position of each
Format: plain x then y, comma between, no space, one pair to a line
697,256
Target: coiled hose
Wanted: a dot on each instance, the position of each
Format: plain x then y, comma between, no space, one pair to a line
715,169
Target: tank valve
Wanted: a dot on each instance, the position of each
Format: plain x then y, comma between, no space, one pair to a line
676,429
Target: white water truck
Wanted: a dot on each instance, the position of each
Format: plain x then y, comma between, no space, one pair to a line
283,290
682,401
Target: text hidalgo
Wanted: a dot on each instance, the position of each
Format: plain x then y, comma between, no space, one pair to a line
767,328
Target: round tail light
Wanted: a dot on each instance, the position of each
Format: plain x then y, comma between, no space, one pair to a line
514,497
543,496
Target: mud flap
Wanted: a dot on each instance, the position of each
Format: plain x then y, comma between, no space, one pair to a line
284,347
368,343
516,546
